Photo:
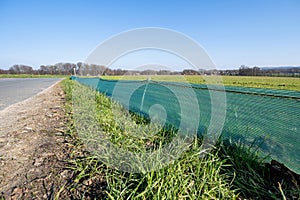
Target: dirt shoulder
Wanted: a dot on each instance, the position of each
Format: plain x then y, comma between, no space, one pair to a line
33,146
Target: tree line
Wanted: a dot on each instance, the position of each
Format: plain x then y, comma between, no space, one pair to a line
256,71
81,68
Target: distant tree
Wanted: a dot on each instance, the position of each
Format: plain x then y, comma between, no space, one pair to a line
97,70
190,72
42,69
79,68
108,72
20,69
176,73
256,71
119,72
246,71
243,70
26,69
65,68
2,71
149,72
164,72
15,69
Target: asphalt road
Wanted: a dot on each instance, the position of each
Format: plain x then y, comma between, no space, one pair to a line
14,90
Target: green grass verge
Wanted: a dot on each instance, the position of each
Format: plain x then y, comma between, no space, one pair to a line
282,83
31,76
230,171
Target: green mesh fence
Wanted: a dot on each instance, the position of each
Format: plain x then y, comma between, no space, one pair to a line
266,115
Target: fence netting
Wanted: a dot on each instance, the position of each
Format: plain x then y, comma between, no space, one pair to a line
269,117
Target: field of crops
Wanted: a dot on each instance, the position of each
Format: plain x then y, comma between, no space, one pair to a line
283,83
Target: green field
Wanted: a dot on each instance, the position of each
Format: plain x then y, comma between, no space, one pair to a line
282,83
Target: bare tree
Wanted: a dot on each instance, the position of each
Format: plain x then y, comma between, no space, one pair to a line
20,69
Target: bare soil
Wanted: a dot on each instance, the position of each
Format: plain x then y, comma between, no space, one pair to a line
33,147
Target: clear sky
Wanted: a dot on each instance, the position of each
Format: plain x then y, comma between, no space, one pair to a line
233,32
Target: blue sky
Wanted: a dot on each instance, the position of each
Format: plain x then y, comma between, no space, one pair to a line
256,32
